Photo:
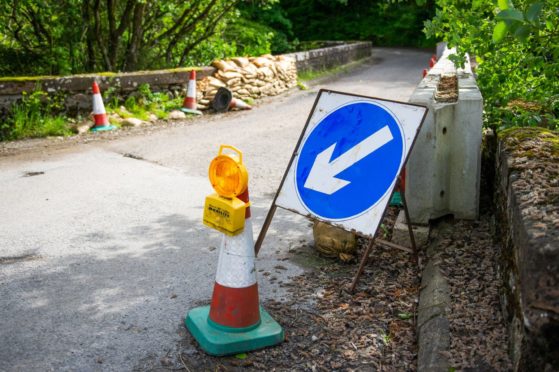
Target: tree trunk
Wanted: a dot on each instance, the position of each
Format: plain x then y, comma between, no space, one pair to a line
134,47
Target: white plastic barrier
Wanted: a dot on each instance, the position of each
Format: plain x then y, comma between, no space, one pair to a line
443,171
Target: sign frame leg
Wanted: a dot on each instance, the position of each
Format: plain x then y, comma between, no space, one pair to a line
265,227
373,240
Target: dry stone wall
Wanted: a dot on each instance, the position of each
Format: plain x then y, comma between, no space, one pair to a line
334,55
527,195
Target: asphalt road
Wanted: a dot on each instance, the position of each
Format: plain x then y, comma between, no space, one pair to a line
102,254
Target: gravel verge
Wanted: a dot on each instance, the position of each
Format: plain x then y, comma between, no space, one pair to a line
478,337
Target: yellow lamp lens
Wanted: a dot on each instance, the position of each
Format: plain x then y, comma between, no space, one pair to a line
228,177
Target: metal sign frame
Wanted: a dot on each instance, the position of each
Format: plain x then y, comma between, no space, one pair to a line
372,239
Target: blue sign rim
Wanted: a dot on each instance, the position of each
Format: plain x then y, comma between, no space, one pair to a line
309,132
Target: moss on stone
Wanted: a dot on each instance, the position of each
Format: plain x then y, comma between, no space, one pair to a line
548,138
21,79
94,74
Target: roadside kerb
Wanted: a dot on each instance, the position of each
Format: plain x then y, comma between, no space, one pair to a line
432,324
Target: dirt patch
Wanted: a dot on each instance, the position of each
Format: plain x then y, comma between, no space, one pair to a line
447,89
17,259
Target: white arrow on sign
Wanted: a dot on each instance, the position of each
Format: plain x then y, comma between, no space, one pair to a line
322,177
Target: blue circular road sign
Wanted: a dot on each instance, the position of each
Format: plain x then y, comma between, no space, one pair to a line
349,161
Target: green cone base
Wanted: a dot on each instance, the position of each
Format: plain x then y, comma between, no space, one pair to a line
396,199
191,111
221,342
105,127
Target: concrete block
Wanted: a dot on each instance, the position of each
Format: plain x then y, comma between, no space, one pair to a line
401,236
443,171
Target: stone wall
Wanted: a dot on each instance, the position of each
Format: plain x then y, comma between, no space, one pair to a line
325,58
527,200
77,88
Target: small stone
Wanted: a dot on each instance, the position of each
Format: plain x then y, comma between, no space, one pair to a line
176,115
167,362
84,127
115,118
131,122
81,127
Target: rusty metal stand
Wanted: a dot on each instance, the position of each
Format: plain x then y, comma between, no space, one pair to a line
385,243
265,227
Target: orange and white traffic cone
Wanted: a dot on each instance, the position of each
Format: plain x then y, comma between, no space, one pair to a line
239,104
100,117
189,103
234,322
433,61
235,296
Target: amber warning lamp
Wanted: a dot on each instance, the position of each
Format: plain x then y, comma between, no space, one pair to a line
223,211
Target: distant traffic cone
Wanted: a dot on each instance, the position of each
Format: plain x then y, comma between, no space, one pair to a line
99,114
234,322
239,104
433,61
189,103
396,199
403,180
222,100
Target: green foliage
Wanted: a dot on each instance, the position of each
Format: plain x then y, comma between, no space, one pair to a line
274,21
383,22
72,36
249,38
308,75
36,115
516,45
58,37
142,104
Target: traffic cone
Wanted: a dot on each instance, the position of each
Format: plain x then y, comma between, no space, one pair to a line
239,104
234,322
222,100
432,61
99,114
396,199
189,103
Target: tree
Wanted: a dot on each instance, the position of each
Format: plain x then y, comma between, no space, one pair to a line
124,35
93,35
384,22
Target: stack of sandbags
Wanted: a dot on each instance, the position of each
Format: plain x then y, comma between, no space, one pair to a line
248,78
